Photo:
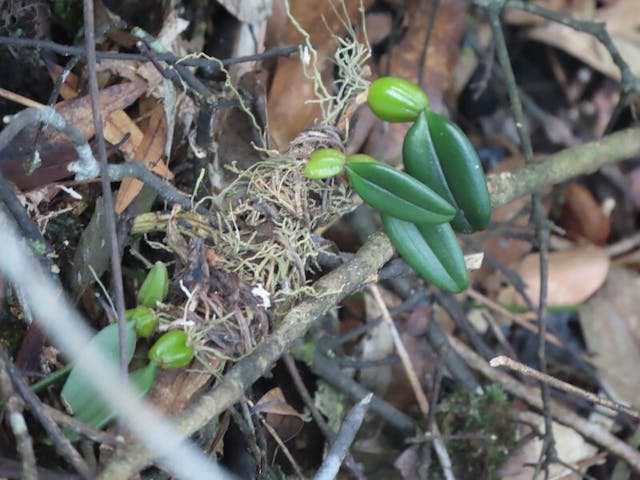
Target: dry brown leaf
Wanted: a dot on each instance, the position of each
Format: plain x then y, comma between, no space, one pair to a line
274,402
284,419
623,24
611,328
583,217
149,151
385,142
55,149
173,389
288,107
117,97
117,124
147,148
120,97
574,275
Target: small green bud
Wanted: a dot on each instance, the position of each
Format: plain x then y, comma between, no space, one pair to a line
146,320
324,163
396,100
171,350
155,287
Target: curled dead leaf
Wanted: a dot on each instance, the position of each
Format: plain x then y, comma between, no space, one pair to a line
583,217
574,275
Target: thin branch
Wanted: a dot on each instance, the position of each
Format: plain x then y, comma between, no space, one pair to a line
211,65
328,370
327,432
61,443
588,429
163,188
107,195
494,10
85,169
564,165
282,446
24,443
416,387
83,429
26,224
345,437
502,361
519,319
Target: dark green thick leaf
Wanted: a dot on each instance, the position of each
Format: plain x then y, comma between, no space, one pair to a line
77,391
431,250
421,162
462,170
396,193
98,413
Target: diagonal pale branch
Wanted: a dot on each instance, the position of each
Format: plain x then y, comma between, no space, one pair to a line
361,269
559,167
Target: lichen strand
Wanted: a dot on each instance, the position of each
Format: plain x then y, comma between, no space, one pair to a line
261,233
271,213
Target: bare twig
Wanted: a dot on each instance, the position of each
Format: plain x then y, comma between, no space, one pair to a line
519,319
324,427
61,443
456,366
560,167
85,169
107,195
494,10
283,447
503,361
453,307
590,430
328,370
340,447
416,387
164,189
19,99
26,224
83,429
24,444
212,65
